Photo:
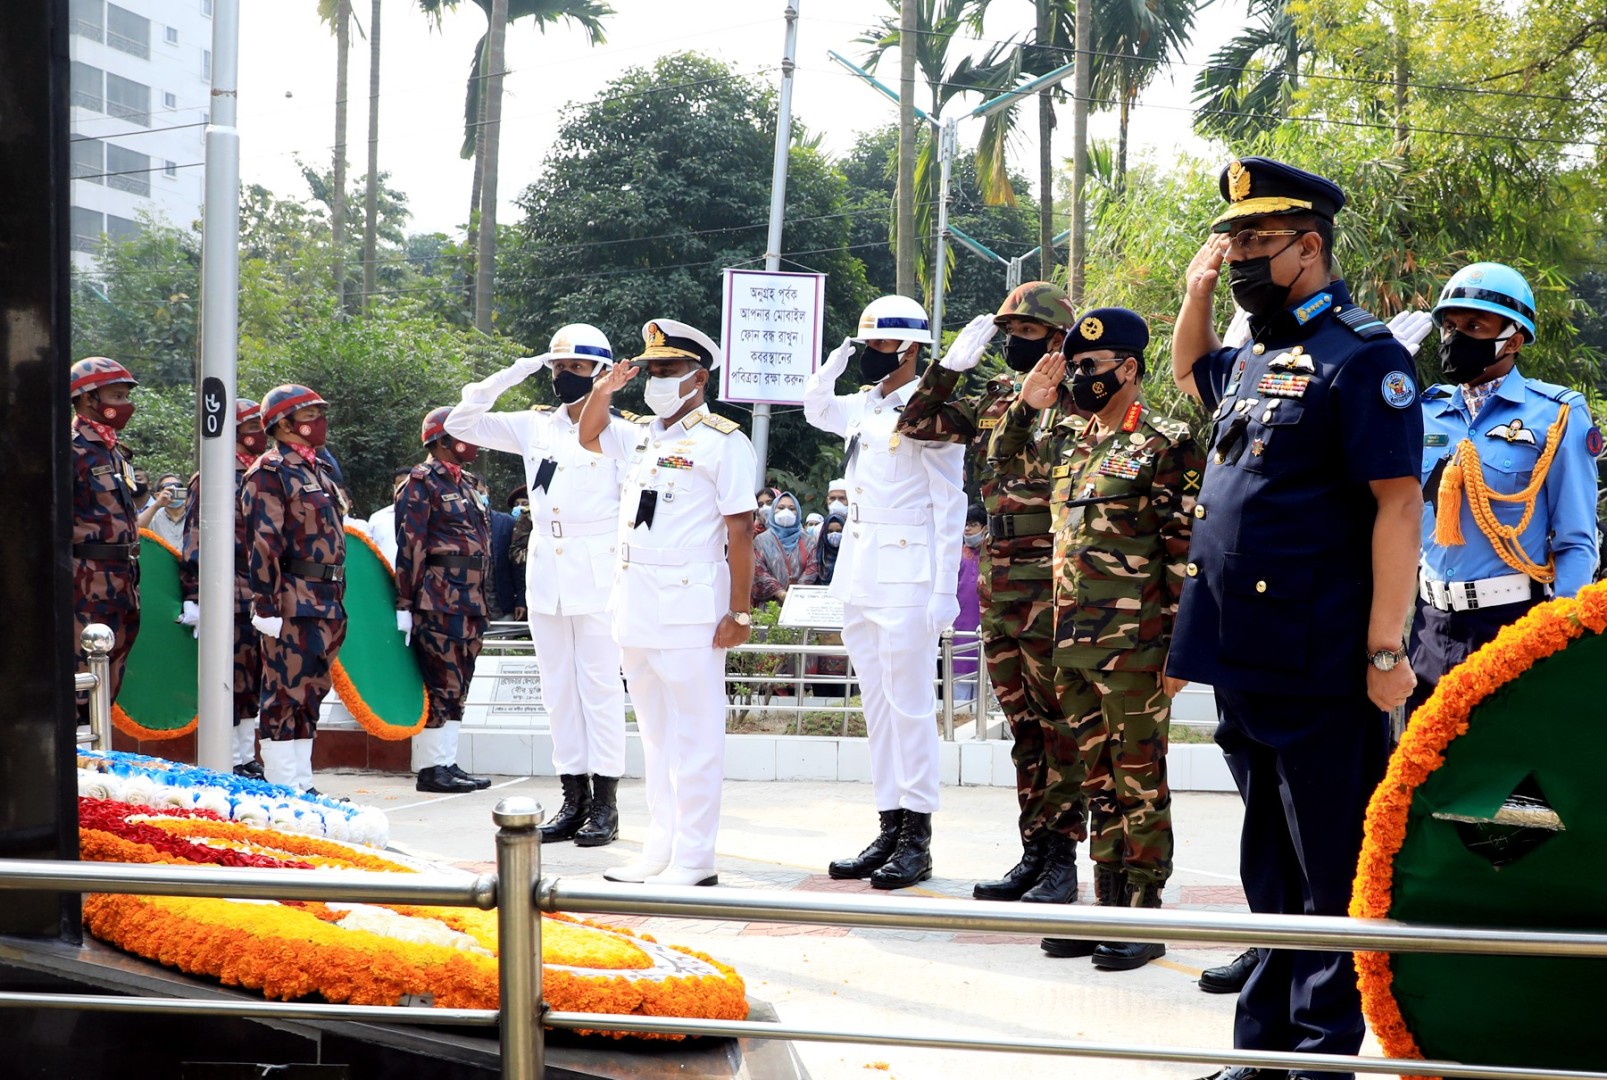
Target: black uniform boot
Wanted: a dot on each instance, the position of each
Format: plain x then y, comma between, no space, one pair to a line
912,858
1126,955
572,814
1109,887
602,822
1230,977
480,782
435,778
1020,877
1058,885
880,850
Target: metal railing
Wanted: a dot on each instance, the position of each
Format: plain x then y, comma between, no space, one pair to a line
523,1043
98,642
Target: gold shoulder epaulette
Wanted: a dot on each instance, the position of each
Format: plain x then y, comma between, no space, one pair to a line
541,408
724,425
635,418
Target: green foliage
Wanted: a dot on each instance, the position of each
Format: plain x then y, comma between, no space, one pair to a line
142,307
163,429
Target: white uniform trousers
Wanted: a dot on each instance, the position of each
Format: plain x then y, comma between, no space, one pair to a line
895,659
679,698
581,690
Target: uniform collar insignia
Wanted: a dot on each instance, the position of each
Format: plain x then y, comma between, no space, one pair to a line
1313,307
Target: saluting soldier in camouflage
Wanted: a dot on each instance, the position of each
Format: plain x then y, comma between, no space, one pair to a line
1016,584
249,442
294,515
1125,482
443,554
105,518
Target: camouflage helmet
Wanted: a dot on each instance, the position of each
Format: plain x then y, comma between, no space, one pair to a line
246,409
435,425
281,401
1039,301
94,372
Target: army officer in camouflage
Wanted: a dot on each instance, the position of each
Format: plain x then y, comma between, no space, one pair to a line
1016,582
1125,481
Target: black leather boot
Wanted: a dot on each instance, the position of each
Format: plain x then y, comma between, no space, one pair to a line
1127,955
572,814
1020,877
912,858
602,822
480,782
1058,885
1230,977
436,778
1109,887
880,850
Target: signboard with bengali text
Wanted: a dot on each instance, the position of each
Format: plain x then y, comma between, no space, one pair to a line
772,332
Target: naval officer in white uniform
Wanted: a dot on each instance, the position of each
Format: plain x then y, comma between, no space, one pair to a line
895,575
681,598
569,575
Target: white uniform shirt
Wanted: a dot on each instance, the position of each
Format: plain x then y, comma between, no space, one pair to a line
906,500
382,530
674,584
573,549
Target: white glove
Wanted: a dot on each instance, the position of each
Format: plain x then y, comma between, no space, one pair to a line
527,366
1410,328
190,615
837,362
969,344
269,626
404,626
1237,334
941,611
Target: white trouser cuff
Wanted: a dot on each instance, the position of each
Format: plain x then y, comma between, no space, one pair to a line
303,763
279,763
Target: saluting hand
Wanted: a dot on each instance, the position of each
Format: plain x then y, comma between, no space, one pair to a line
615,377
1206,267
1041,387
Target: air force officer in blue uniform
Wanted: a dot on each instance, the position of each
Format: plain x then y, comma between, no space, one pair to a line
1301,576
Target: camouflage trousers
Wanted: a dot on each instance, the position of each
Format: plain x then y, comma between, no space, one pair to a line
1120,721
247,668
1018,640
447,647
296,676
124,622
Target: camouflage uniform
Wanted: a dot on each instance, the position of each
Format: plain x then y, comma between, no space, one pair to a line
106,571
1123,503
293,514
1016,587
247,642
443,551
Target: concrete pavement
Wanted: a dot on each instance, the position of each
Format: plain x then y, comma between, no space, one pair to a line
781,835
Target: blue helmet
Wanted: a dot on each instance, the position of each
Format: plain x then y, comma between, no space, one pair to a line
1489,286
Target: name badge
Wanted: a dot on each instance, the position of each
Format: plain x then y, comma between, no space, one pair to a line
451,497
103,470
1436,439
1060,472
313,489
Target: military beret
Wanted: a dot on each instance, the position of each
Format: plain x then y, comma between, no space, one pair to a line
1114,328
1262,187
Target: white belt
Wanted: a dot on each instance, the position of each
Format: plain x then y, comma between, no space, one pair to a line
1473,595
580,528
885,515
632,553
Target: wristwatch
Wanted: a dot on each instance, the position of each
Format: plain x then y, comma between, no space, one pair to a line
741,618
1386,659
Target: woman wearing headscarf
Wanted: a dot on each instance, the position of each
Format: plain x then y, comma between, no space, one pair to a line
783,555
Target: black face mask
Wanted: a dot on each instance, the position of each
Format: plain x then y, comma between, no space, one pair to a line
1253,287
875,365
1022,354
1091,393
571,386
1464,358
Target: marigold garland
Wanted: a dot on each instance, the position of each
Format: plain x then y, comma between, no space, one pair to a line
1541,632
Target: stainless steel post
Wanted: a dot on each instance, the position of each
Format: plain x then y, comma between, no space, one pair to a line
947,652
519,937
98,640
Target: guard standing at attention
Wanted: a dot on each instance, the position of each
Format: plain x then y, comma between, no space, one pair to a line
1016,581
684,580
894,574
1301,574
570,561
443,555
1125,481
1509,475
105,547
249,443
293,513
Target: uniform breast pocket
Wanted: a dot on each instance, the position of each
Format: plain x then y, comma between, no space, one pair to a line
902,560
1508,469
1271,431
686,594
886,464
1266,611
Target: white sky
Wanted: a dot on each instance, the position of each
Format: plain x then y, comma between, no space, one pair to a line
287,86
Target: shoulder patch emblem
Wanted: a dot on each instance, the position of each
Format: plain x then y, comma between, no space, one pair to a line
1594,442
1399,390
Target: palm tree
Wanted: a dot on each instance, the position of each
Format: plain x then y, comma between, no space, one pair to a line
1247,85
371,192
1134,39
480,140
338,14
